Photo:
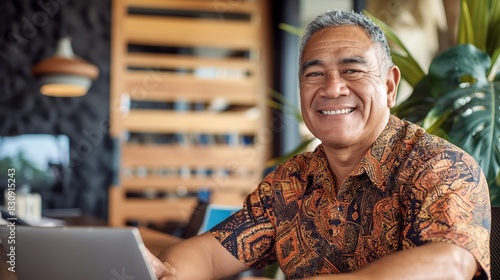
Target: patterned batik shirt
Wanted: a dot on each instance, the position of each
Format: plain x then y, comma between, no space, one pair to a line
410,188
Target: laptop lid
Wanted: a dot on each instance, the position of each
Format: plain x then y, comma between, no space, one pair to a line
77,253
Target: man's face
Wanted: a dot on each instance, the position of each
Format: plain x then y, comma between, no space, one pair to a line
345,96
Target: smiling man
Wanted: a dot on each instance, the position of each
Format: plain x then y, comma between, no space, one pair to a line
379,198
347,86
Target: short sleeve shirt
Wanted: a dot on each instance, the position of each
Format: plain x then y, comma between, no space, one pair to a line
410,188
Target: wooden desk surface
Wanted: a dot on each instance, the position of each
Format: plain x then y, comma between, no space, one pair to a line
155,241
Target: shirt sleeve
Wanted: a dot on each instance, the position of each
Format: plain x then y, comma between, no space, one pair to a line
450,204
249,234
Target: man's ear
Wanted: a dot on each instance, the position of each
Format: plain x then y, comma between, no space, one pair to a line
392,82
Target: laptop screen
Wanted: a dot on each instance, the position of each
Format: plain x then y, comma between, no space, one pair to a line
78,253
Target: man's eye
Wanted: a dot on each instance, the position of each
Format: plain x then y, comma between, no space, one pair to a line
313,74
351,71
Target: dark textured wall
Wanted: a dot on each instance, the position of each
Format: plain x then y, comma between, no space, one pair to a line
29,30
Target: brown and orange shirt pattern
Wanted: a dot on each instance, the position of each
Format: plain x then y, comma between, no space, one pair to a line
410,188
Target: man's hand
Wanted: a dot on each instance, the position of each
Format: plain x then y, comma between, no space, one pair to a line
163,270
197,258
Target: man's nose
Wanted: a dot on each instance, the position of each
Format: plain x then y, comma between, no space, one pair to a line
335,86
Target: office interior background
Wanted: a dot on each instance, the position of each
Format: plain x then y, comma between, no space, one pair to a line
89,162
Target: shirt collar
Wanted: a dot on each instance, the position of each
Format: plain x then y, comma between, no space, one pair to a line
378,161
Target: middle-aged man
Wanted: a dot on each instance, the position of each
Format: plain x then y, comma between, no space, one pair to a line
378,199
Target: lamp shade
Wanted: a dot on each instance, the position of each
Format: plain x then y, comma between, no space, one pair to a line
64,74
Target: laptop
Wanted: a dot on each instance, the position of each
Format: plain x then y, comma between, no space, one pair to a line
77,253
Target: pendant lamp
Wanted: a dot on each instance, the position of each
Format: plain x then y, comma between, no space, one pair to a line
64,74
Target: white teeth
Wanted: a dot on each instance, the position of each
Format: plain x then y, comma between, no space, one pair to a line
338,112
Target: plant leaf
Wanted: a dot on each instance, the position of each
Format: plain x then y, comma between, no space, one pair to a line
459,66
494,71
284,105
472,123
389,32
479,14
465,28
417,105
494,27
291,29
434,121
300,148
411,72
403,52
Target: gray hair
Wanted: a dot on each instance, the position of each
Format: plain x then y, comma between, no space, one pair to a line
340,18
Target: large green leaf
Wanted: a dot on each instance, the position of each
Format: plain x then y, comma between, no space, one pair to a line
471,117
466,109
459,99
462,65
459,66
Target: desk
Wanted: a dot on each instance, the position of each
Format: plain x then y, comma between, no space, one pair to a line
155,241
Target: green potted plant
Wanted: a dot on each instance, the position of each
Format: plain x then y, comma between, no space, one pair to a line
458,98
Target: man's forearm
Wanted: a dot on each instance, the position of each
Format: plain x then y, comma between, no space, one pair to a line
189,260
440,261
201,257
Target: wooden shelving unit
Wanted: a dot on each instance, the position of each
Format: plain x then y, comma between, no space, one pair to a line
188,104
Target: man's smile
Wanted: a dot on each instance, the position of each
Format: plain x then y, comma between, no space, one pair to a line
338,112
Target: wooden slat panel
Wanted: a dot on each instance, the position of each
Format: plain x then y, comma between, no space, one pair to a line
157,121
123,208
155,86
116,201
149,60
174,155
233,183
118,67
179,209
219,6
190,32
242,161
